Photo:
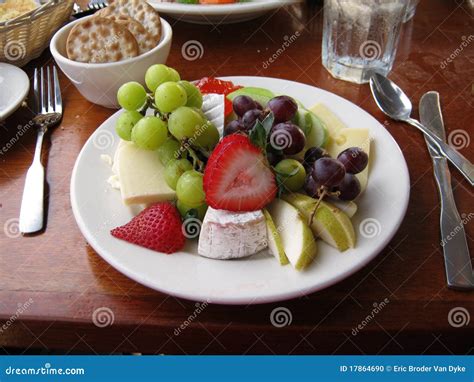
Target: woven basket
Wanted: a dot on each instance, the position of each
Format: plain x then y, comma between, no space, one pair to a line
24,38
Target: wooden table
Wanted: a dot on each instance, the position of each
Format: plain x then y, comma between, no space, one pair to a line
51,283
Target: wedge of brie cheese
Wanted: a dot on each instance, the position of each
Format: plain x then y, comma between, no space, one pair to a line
231,235
140,173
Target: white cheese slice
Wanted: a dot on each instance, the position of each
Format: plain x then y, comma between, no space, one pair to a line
141,176
231,235
213,106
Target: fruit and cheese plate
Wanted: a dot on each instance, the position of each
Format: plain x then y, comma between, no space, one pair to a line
238,190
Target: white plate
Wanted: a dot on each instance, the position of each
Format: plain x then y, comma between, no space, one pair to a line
14,87
258,279
219,13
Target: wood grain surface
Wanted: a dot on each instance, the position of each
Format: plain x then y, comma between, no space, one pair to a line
52,283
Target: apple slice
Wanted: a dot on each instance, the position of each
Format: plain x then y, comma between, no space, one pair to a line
275,243
329,223
296,236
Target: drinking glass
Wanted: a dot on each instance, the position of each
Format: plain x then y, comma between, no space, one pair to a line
360,37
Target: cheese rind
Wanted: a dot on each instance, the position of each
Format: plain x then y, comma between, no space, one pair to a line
232,235
141,176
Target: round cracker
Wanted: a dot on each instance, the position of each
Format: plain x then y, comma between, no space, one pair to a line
100,40
139,10
145,39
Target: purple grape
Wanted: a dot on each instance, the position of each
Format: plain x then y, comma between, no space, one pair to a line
250,117
288,138
311,187
242,104
283,108
234,127
313,154
354,159
258,105
349,188
328,171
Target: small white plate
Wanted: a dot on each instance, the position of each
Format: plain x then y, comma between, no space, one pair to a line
14,87
258,279
218,13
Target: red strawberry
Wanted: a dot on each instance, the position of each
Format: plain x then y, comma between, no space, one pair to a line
237,176
158,227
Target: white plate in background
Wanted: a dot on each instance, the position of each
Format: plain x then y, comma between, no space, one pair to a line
219,13
14,87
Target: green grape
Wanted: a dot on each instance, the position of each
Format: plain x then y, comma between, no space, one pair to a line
174,170
286,167
168,151
125,123
174,75
149,133
207,136
184,209
156,75
189,189
131,96
169,96
184,122
193,93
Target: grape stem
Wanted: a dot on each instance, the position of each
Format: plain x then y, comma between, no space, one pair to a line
321,196
196,161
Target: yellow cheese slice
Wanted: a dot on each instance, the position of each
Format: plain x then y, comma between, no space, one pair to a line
141,176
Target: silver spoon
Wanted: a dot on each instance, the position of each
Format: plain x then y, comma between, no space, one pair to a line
395,103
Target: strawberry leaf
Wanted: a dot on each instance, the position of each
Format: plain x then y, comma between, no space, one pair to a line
258,136
268,122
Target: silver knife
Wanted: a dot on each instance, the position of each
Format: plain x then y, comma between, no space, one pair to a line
457,259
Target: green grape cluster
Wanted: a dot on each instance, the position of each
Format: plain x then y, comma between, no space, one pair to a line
177,127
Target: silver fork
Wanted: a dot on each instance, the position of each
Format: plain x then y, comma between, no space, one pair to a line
49,111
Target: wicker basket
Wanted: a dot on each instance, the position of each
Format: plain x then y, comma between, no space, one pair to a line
24,38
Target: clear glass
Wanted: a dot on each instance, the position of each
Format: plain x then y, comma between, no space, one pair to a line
360,37
411,9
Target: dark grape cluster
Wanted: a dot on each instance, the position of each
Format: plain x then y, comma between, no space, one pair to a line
334,175
285,137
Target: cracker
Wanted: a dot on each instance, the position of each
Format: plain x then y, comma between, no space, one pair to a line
99,40
145,39
139,10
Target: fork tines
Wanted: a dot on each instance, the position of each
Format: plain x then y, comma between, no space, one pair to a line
47,92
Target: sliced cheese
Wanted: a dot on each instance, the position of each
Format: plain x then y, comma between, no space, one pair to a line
141,176
232,235
353,137
332,122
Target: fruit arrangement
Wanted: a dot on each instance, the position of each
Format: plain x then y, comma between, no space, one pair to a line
275,175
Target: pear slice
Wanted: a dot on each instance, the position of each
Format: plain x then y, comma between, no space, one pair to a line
332,122
296,236
329,223
346,206
275,243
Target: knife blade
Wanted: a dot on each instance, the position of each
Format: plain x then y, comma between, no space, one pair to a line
457,259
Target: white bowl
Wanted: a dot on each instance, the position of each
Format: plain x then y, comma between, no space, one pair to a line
99,83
